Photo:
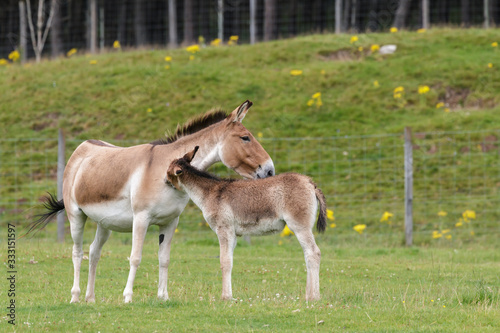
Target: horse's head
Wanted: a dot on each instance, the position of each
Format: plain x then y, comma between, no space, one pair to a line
240,151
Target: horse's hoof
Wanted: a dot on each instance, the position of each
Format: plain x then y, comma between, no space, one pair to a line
127,299
90,299
74,300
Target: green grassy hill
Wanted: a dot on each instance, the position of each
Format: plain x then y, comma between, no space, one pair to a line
138,95
110,99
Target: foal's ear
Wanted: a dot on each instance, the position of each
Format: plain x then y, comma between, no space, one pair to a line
240,112
177,170
189,156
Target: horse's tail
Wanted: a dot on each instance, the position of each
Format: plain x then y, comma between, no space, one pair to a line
321,223
53,207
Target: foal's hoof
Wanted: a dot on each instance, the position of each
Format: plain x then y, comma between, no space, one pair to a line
74,300
90,299
127,299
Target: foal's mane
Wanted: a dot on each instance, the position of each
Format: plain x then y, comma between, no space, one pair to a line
192,126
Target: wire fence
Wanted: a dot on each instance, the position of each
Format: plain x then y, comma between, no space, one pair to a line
96,24
362,177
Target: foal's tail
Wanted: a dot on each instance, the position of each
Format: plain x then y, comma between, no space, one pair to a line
53,207
321,224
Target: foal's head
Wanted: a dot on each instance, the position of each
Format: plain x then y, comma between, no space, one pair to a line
240,151
178,166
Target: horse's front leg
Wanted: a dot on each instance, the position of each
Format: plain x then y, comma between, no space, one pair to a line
166,234
227,242
139,229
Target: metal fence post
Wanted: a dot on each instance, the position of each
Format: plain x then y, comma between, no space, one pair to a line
486,13
425,14
338,16
61,161
408,187
253,25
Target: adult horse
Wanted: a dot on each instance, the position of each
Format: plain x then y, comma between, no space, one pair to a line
123,189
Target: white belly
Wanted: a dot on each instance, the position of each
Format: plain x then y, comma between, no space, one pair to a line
263,227
118,215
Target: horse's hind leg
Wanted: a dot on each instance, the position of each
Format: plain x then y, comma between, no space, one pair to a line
312,256
77,223
166,234
227,242
101,236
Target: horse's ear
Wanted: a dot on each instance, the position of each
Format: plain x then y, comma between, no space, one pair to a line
240,112
189,156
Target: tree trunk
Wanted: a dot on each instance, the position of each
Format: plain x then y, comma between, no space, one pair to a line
93,26
139,23
55,30
188,22
401,14
122,23
269,19
346,16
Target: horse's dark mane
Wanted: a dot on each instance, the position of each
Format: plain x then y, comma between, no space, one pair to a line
193,126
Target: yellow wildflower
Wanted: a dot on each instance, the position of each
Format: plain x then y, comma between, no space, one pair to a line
445,231
176,230
333,225
116,44
167,66
458,224
442,213
168,58
448,236
472,233
423,89
286,232
436,234
386,216
354,39
193,48
399,89
14,55
469,214
329,214
359,228
310,102
490,65
374,48
280,242
360,49
149,110
439,105
319,102
191,57
3,62
323,72
234,38
393,30
93,62
316,95
376,84
494,44
201,39
446,109
421,30
215,42
398,95
260,135
71,52
296,72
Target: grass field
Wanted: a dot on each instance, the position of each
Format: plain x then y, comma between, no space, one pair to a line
367,284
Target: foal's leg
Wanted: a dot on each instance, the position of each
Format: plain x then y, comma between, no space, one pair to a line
227,242
77,224
101,236
312,255
139,229
166,234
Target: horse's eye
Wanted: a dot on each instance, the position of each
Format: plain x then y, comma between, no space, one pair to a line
245,138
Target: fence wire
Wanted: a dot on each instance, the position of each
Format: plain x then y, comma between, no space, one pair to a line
361,176
97,24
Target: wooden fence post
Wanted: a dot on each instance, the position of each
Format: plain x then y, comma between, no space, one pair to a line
172,24
408,187
486,13
61,162
220,20
23,39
